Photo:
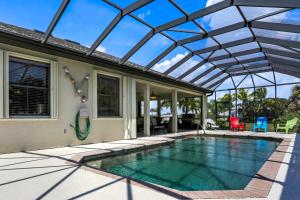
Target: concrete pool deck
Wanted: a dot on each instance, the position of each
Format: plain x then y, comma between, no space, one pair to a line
56,174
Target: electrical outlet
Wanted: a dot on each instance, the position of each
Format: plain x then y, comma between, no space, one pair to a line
65,131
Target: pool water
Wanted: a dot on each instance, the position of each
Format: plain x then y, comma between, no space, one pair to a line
206,163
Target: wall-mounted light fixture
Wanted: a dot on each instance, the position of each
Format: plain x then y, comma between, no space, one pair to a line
78,86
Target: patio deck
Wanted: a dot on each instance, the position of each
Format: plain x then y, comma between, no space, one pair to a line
56,174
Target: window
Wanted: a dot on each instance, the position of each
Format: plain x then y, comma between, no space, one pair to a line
29,88
108,96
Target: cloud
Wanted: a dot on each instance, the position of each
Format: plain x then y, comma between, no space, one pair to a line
184,67
163,66
144,15
211,2
101,48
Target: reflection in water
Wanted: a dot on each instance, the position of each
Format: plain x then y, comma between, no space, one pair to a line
208,163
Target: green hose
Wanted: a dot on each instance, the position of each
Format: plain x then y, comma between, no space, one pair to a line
82,135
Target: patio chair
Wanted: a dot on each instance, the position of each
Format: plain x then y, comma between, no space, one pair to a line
289,125
211,124
261,123
235,124
188,121
155,126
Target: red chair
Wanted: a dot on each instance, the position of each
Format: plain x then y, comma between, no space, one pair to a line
235,124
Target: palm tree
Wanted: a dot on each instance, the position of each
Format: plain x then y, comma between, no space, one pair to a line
259,101
190,104
294,100
260,93
243,95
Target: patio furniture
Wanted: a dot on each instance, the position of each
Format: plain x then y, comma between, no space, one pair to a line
261,123
289,125
155,126
235,124
211,124
188,121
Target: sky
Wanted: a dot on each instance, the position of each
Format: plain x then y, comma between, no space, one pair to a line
84,20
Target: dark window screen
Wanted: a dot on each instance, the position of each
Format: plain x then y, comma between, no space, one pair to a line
108,95
28,88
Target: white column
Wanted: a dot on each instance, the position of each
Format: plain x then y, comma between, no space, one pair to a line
129,107
204,111
147,110
174,111
125,101
6,84
1,84
132,107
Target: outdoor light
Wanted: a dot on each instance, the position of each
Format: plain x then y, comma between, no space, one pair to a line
66,70
83,99
153,96
78,85
78,90
87,77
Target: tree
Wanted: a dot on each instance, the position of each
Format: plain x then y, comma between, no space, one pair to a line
243,95
294,100
211,109
225,103
259,98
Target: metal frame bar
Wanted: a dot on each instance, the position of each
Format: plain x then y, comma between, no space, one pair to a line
263,77
130,8
283,69
254,24
250,67
185,74
137,46
281,53
184,31
203,74
277,52
268,3
227,45
179,63
278,41
275,26
55,19
220,81
285,62
52,49
215,76
203,12
278,64
200,64
242,80
251,72
211,78
282,84
237,54
225,65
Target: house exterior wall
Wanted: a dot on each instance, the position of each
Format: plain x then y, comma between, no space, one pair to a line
32,134
204,111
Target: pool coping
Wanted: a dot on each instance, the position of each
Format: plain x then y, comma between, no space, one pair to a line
259,186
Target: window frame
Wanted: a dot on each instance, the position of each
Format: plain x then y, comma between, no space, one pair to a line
95,94
53,85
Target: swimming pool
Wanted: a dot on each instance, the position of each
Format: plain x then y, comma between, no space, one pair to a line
193,164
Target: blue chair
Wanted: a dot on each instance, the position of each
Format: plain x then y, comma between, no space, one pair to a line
261,123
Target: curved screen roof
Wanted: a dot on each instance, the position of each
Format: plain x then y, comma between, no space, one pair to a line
200,42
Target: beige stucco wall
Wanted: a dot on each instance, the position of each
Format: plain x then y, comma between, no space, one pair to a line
32,134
